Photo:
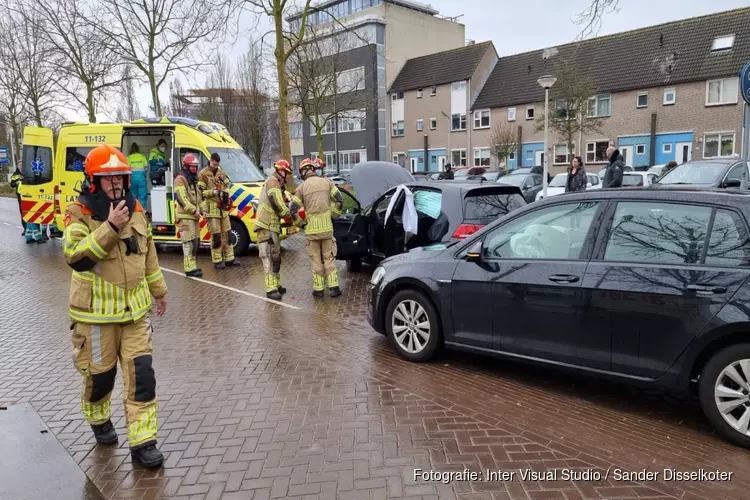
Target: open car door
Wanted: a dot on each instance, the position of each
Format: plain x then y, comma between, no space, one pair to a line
38,188
350,229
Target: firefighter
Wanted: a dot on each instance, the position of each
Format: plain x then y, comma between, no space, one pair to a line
212,185
320,167
16,180
271,209
322,201
108,243
139,178
188,213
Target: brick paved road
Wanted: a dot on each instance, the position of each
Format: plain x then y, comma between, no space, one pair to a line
274,402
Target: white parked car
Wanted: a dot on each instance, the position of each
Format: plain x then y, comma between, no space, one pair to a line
638,179
604,170
557,186
656,169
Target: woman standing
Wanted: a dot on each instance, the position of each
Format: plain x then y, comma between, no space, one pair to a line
577,179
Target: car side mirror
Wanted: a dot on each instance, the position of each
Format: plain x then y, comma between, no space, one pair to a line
475,252
732,183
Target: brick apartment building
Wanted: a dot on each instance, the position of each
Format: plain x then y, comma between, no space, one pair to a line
666,92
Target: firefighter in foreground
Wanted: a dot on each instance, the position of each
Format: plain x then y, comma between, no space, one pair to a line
16,181
322,201
271,209
108,243
188,213
213,184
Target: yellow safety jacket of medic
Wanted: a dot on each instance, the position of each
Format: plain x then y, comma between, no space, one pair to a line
271,208
16,180
207,182
187,196
112,281
322,201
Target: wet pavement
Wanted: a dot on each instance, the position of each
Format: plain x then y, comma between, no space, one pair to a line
303,400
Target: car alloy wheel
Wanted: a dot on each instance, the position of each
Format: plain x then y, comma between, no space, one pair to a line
411,326
732,395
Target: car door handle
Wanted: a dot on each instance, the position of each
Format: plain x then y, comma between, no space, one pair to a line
563,278
706,289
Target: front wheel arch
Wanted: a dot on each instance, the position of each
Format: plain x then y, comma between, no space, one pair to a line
239,234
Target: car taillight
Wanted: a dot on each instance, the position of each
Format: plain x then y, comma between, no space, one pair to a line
57,200
466,230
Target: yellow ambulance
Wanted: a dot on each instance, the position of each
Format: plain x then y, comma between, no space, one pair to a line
55,180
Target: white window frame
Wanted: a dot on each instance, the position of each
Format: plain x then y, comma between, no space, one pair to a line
533,113
479,115
637,100
722,82
463,158
554,155
593,151
478,156
640,149
665,146
359,78
723,42
595,99
420,125
672,91
433,123
720,135
394,131
354,120
433,91
394,157
420,93
511,114
328,129
461,118
397,96
458,86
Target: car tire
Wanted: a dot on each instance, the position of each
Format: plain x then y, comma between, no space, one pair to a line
406,342
239,236
715,373
354,265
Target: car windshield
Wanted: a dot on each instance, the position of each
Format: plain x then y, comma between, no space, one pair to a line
512,180
703,173
238,165
632,180
559,181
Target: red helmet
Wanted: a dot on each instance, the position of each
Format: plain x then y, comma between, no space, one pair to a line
190,162
320,163
105,160
307,164
283,166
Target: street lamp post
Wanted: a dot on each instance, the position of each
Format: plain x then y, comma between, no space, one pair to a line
546,82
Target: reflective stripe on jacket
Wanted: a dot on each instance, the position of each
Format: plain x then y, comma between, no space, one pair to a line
321,200
16,180
138,162
113,281
271,207
187,198
207,182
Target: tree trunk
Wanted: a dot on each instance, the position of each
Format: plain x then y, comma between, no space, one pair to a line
90,102
286,148
154,93
319,137
16,138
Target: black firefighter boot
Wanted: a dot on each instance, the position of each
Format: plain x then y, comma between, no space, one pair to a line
105,433
148,455
334,291
195,273
274,295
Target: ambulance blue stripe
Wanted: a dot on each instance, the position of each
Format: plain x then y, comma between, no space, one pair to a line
237,194
245,202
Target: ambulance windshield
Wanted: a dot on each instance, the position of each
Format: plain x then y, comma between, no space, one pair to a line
238,165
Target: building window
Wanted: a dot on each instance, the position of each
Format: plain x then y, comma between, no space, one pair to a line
718,145
722,43
512,156
458,157
723,91
561,154
328,128
398,128
397,96
640,149
670,96
595,152
353,121
433,91
351,80
482,157
419,93
420,125
433,123
511,114
667,148
295,130
600,105
350,158
482,118
458,122
529,113
561,110
400,159
642,100
458,86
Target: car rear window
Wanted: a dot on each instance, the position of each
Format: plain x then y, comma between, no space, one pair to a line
488,204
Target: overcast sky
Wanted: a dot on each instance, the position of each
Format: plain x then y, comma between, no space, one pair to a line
522,25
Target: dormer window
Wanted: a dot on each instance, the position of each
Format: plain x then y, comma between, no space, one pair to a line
722,43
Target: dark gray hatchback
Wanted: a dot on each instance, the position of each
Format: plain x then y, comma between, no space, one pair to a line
645,285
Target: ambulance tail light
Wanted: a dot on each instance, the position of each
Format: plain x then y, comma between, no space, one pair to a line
57,200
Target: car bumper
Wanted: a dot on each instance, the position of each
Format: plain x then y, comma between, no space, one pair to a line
375,308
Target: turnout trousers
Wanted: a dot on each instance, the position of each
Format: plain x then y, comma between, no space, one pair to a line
96,350
269,247
323,256
221,250
189,235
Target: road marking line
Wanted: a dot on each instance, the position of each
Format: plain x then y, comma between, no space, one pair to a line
231,289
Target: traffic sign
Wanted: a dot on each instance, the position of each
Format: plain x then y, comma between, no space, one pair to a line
4,156
745,82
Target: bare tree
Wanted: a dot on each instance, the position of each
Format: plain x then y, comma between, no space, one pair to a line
286,44
12,102
27,56
82,55
164,37
326,89
177,98
504,141
569,106
255,123
591,17
128,109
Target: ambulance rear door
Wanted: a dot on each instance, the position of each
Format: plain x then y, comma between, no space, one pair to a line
38,189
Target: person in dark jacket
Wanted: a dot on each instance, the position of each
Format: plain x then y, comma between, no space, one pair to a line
448,174
16,180
577,179
613,175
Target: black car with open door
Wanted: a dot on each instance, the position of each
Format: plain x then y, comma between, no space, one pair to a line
367,232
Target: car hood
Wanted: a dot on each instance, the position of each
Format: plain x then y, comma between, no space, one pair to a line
371,179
